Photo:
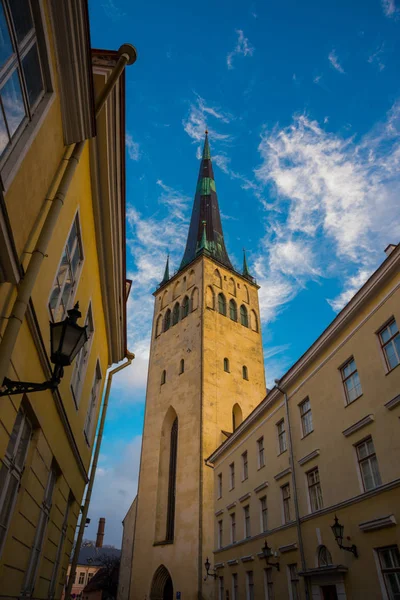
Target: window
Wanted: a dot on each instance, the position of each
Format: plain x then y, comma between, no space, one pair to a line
175,314
294,582
368,464
167,320
221,588
260,448
221,304
244,319
244,372
233,528
250,585
390,341
351,381
90,575
163,377
68,273
235,587
264,514
314,490
219,485
33,564
220,533
281,436
246,510
268,584
81,361
245,466
226,365
324,557
81,578
232,475
389,559
90,424
185,307
286,502
181,367
172,481
237,416
60,547
21,77
233,310
306,417
12,469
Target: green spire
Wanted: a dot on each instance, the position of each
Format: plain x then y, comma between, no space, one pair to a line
246,272
166,272
206,149
203,242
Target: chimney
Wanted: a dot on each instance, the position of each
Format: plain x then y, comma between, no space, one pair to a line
389,249
100,533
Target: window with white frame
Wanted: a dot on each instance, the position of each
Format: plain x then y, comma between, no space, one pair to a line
281,436
264,513
33,564
91,414
351,381
12,469
246,512
389,560
250,585
221,588
390,342
68,273
260,448
235,587
60,547
233,528
220,533
268,584
368,464
81,361
219,483
314,490
294,582
232,475
286,502
306,417
81,578
23,70
245,466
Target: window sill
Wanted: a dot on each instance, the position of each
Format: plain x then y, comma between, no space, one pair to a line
391,370
307,434
163,543
352,402
259,468
245,479
232,488
283,452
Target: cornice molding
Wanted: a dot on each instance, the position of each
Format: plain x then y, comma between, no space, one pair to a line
261,487
393,403
359,425
219,512
378,523
245,497
308,457
248,558
282,474
287,548
232,562
231,505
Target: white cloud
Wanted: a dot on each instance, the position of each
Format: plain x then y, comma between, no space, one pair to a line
317,79
242,48
111,10
376,57
333,59
276,362
390,9
199,117
352,285
132,147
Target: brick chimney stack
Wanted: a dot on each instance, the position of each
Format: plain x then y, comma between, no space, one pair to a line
100,533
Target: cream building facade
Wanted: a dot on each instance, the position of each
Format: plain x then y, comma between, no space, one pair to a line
324,442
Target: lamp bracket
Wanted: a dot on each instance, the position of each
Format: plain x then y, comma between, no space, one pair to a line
352,549
276,564
11,388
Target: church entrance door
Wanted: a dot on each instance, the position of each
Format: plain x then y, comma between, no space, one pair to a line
161,586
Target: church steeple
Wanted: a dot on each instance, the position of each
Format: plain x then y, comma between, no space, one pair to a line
166,272
208,237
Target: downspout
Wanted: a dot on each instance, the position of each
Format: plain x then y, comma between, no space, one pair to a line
127,55
294,486
96,453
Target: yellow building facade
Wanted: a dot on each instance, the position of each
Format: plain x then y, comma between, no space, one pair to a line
323,443
62,240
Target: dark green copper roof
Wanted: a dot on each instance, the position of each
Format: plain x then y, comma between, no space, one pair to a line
166,272
208,238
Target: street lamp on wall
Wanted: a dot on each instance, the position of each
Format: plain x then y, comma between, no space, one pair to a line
208,574
268,553
66,340
338,530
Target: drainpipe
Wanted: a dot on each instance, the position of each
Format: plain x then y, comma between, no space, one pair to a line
127,56
96,453
294,486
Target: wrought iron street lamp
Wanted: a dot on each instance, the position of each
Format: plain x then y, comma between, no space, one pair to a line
338,530
66,340
207,566
268,553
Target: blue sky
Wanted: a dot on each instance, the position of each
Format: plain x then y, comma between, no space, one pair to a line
302,101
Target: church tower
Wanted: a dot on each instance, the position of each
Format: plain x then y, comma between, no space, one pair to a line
206,374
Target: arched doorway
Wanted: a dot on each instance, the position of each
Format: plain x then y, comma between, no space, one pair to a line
161,586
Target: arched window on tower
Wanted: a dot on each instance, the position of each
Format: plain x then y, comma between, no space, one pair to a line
324,556
172,482
221,304
231,286
167,320
175,314
163,377
181,367
254,321
159,325
185,307
226,365
237,416
233,310
244,318
194,299
245,372
217,278
210,297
